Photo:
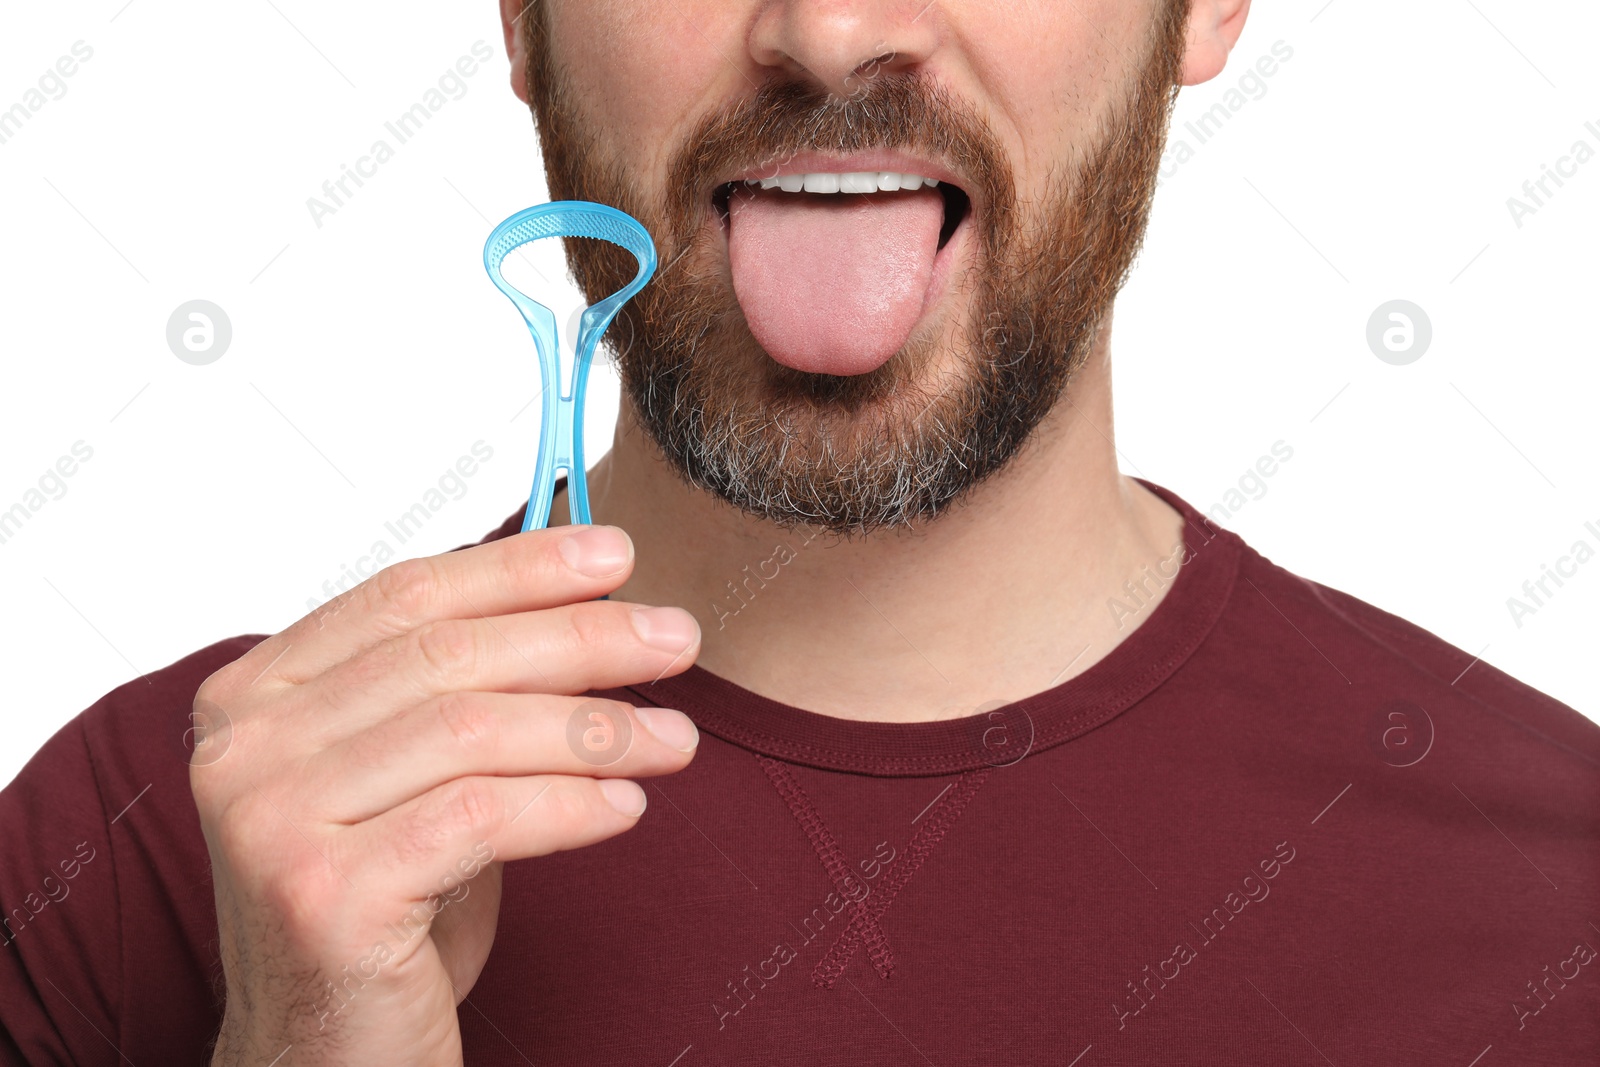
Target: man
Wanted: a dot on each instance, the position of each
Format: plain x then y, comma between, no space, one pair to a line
977,751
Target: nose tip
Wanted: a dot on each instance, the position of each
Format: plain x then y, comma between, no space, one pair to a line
843,44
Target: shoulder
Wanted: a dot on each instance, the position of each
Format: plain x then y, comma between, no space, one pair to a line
1314,671
1444,816
128,749
1370,649
144,725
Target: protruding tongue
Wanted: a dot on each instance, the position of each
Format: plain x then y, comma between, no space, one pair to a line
832,283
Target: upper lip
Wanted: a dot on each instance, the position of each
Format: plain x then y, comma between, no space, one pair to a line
883,160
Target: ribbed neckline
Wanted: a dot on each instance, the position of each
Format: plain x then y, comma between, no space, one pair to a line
1132,670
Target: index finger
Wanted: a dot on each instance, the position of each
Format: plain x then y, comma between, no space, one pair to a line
524,572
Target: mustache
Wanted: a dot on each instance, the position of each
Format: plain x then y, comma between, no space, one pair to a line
902,111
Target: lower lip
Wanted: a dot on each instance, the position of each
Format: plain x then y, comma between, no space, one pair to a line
943,260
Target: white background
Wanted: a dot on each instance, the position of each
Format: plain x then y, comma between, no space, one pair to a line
369,354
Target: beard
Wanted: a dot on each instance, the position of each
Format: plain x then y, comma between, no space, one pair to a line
900,444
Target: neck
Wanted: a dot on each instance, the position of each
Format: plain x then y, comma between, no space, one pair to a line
997,599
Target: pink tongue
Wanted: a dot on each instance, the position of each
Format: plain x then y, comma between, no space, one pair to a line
832,284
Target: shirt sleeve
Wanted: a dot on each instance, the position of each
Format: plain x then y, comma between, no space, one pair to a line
108,945
60,941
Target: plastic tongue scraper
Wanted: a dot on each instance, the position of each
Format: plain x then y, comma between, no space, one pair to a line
561,429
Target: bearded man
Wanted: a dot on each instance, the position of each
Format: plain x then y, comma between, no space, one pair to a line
960,746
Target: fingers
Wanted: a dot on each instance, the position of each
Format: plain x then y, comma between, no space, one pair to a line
565,650
466,734
406,847
523,572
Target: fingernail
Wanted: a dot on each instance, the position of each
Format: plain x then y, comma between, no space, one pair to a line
669,629
671,728
623,795
597,551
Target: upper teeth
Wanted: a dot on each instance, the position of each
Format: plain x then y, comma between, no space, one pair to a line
866,181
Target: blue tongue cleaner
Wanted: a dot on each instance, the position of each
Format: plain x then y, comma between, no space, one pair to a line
561,428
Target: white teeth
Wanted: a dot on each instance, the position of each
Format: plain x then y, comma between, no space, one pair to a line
870,181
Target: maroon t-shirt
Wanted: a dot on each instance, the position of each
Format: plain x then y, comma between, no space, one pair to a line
1274,825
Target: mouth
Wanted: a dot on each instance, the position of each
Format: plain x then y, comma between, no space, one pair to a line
836,262
957,204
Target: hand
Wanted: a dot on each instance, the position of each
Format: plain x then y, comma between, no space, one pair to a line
387,753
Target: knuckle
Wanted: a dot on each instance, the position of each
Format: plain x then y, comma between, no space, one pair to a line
470,724
406,589
448,648
284,880
593,624
462,808
569,808
220,685
237,828
474,806
301,892
534,561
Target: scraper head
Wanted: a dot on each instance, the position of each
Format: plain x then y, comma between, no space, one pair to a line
561,429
